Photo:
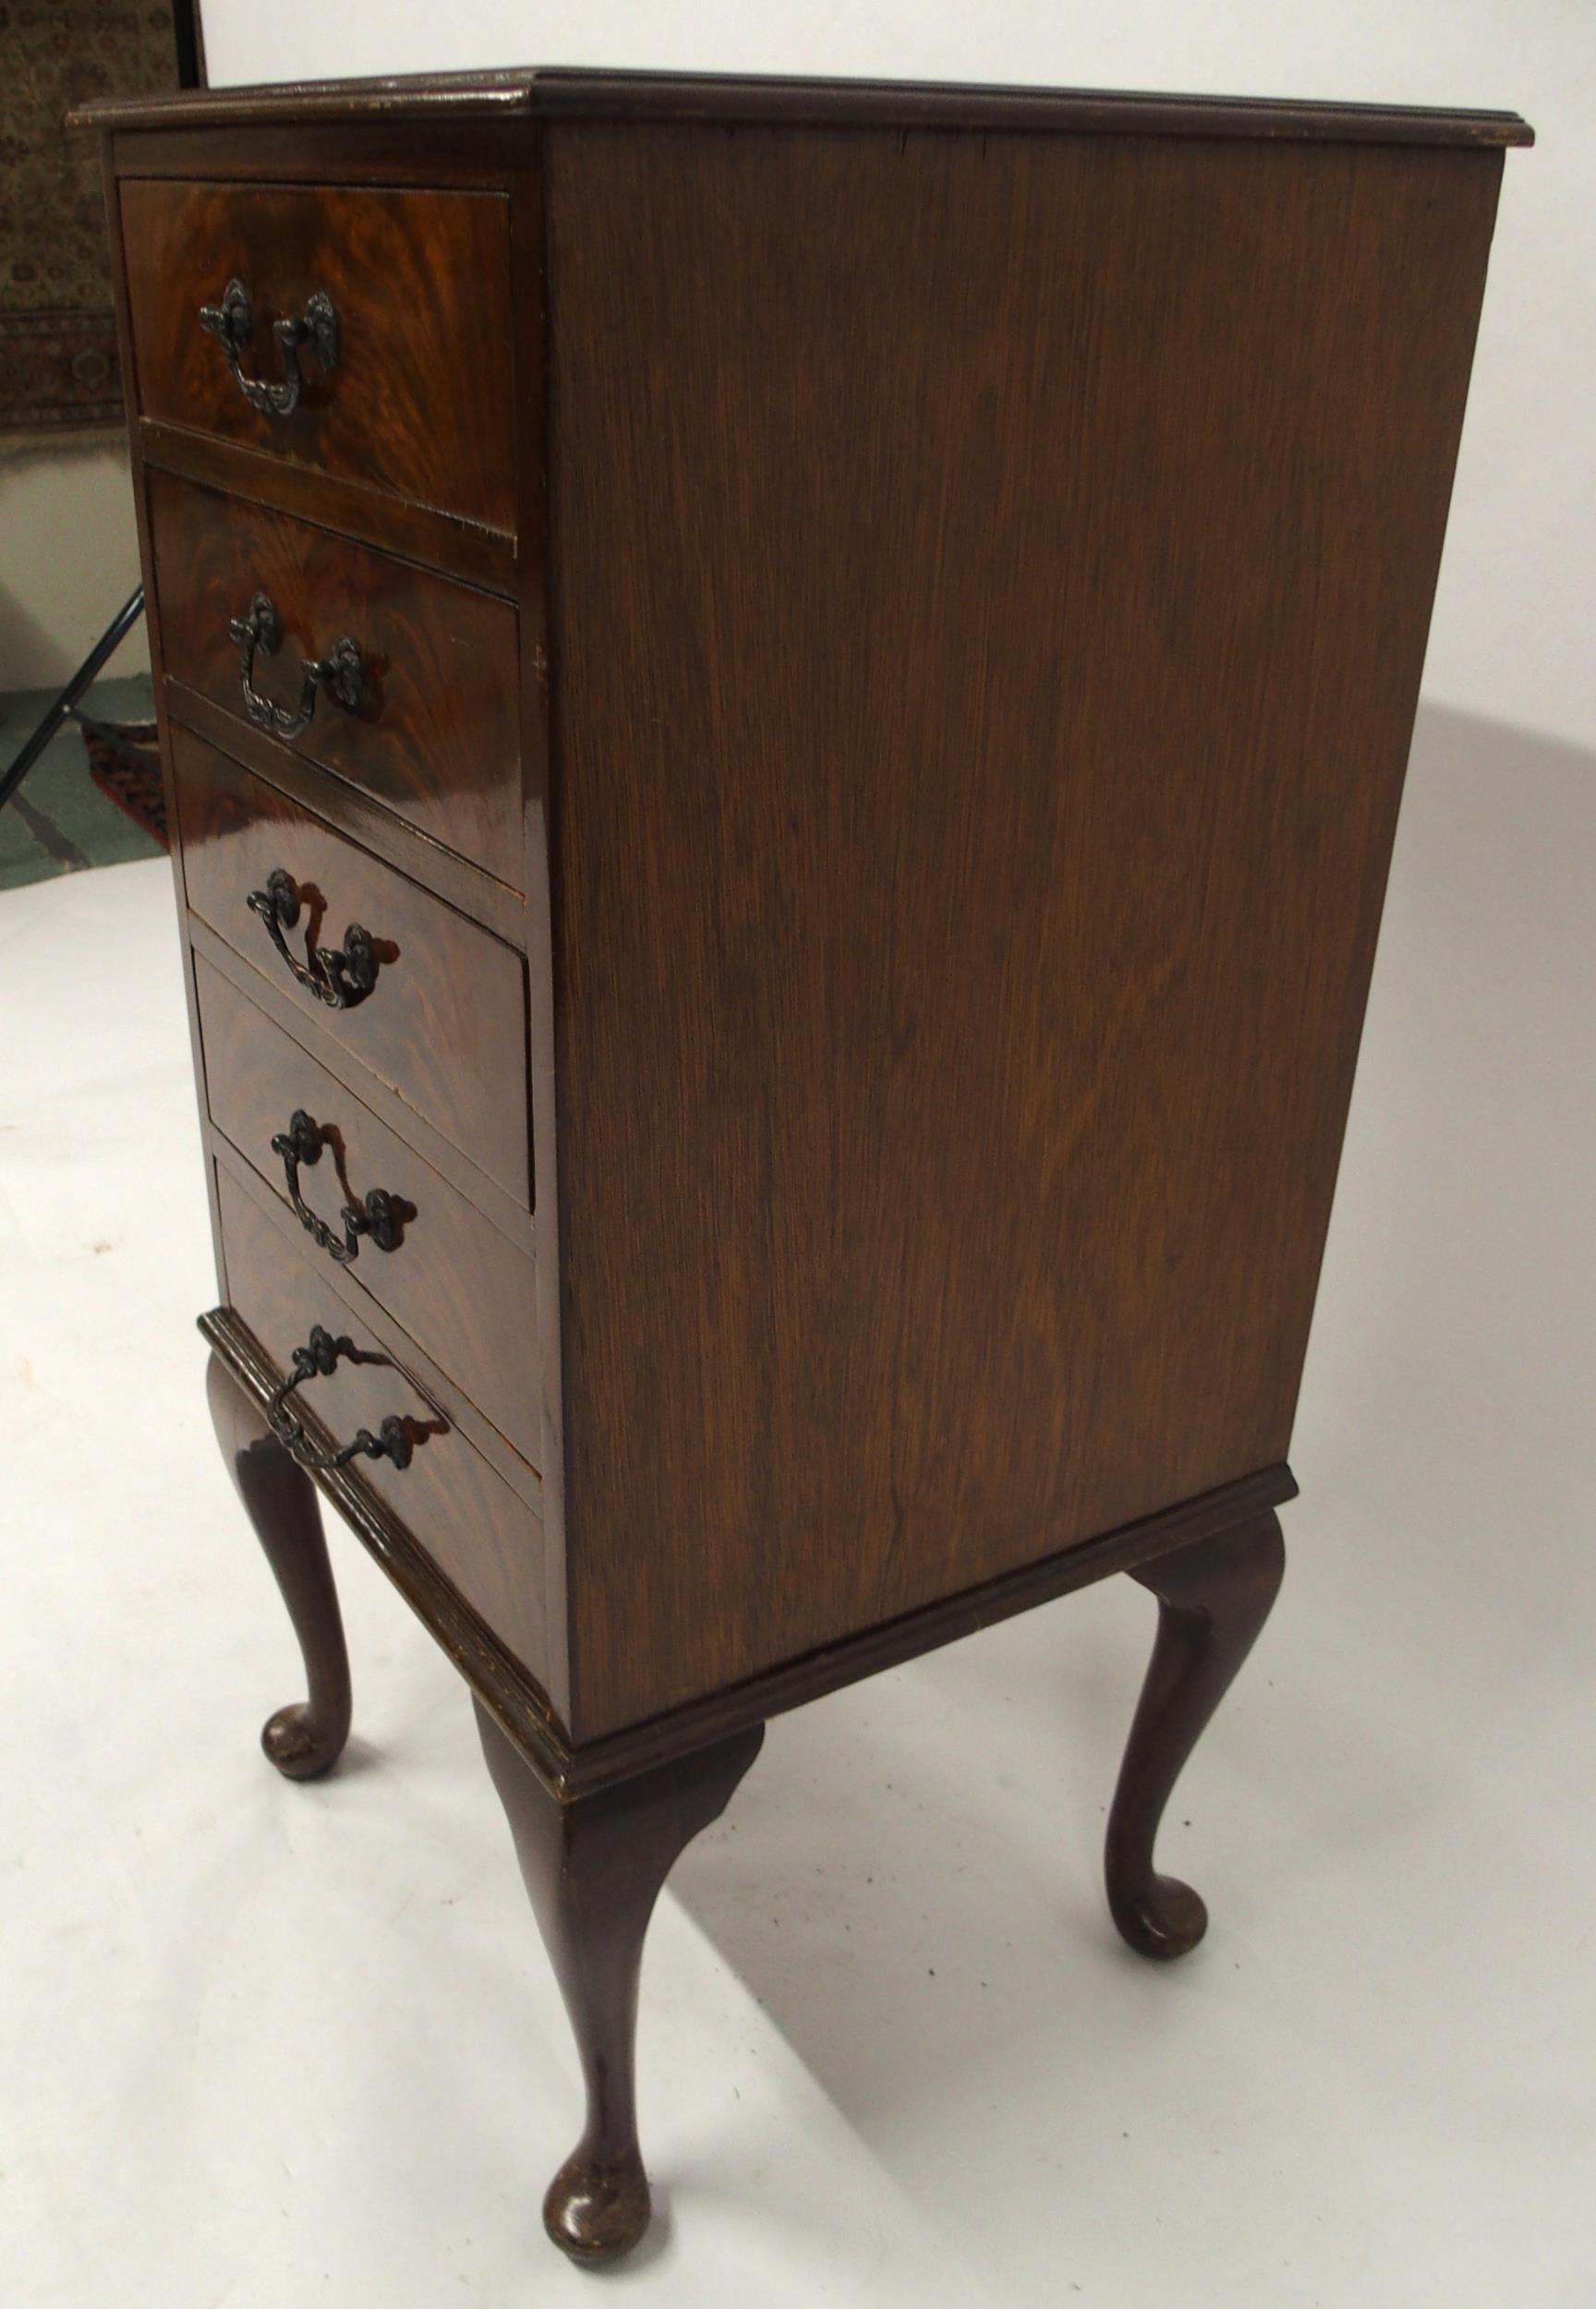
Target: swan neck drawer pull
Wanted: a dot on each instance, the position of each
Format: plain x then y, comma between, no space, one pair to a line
340,673
376,1218
232,323
341,975
317,1359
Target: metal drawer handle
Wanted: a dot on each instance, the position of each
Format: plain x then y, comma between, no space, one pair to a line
342,975
341,671
378,1217
232,323
317,1359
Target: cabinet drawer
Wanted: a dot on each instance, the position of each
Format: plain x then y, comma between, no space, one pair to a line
481,1536
444,1022
417,397
442,1271
431,733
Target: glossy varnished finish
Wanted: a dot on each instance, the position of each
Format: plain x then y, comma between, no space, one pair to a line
305,1739
529,288
593,1870
494,1675
1213,1600
562,91
452,1280
484,1538
353,812
435,734
438,1384
976,782
445,1024
355,509
419,399
899,614
508,1213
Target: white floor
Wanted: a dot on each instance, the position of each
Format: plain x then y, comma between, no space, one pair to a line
269,2045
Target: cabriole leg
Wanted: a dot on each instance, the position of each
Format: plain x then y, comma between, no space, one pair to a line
1213,1598
308,1736
593,1870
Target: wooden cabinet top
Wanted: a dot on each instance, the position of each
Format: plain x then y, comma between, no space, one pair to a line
540,92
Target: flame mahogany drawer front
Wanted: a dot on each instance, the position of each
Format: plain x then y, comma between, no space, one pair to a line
424,720
440,1269
483,1536
400,373
442,1022
961,565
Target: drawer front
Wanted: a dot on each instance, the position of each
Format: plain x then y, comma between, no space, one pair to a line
432,732
444,1023
483,1538
416,398
448,1278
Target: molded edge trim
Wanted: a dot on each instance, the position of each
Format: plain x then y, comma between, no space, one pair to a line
557,93
522,1711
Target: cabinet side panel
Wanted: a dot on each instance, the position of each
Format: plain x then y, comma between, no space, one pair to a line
990,582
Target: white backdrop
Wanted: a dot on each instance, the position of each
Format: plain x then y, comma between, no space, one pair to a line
891,2053
1512,637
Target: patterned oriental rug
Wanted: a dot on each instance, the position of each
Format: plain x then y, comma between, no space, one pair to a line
129,774
59,368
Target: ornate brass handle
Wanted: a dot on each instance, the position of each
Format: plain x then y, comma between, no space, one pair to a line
341,671
376,1218
317,1359
342,975
232,323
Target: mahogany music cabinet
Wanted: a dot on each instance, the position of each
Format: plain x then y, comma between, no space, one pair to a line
784,706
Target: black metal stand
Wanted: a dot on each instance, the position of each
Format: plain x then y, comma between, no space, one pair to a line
65,706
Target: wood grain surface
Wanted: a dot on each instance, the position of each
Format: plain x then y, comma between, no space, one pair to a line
445,1027
456,1286
546,91
349,808
484,1539
975,782
420,398
434,736
357,509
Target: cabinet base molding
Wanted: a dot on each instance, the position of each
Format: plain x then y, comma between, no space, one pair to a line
515,1703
